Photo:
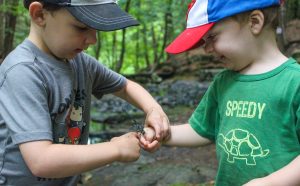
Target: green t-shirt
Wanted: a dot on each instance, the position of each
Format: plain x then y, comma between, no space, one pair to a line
254,121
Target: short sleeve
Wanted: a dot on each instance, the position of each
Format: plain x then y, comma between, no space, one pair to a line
205,117
23,104
104,79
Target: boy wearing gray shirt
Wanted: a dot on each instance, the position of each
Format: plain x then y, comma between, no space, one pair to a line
46,85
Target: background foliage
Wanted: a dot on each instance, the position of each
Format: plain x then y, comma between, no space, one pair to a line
127,51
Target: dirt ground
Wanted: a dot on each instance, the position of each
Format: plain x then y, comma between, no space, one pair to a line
169,166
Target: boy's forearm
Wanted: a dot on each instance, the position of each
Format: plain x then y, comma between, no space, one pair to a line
185,136
59,160
139,97
288,175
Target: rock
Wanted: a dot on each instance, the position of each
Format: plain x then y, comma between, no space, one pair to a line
292,33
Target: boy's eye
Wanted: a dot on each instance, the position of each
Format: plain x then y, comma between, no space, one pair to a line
211,37
80,28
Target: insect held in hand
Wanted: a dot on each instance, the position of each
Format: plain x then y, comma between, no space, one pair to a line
139,128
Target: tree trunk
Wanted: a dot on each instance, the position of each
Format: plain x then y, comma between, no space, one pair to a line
155,48
10,20
146,54
293,9
98,46
137,51
137,45
123,49
281,40
114,49
168,29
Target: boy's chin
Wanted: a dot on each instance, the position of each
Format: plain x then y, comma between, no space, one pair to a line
71,56
225,65
66,58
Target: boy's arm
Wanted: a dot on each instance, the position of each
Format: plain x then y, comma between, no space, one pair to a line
48,160
181,136
288,175
139,97
185,136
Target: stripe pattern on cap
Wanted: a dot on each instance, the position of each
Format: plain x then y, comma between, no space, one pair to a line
90,2
102,20
208,11
198,14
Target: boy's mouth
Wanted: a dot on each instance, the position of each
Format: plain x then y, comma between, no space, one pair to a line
78,50
220,58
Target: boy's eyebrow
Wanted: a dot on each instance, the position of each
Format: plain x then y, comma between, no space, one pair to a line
208,34
78,23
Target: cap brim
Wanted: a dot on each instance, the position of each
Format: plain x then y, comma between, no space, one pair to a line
104,17
188,39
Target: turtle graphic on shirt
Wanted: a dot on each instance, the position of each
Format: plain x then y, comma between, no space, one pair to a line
241,144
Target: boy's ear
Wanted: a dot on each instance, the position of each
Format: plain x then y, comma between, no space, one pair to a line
256,21
37,13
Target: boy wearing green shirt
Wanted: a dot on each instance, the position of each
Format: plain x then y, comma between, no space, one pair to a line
251,111
46,87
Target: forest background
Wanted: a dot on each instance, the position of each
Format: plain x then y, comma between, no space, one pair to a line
131,50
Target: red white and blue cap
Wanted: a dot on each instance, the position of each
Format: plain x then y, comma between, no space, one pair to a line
104,15
203,14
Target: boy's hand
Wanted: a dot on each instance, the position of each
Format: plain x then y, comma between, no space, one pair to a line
148,141
159,121
128,147
149,134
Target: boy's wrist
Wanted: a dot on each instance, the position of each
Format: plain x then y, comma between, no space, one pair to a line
160,112
115,151
165,141
150,135
148,111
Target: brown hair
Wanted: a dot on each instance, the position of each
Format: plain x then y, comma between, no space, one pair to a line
47,6
271,15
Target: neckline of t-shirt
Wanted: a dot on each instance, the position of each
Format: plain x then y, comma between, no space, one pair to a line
46,58
242,77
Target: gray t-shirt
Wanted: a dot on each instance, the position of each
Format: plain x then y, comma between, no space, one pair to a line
42,98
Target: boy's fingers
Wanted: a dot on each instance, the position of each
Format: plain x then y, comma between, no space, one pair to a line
166,128
162,131
149,134
132,135
153,146
143,141
158,131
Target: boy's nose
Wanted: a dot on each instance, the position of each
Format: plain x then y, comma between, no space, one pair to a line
91,37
